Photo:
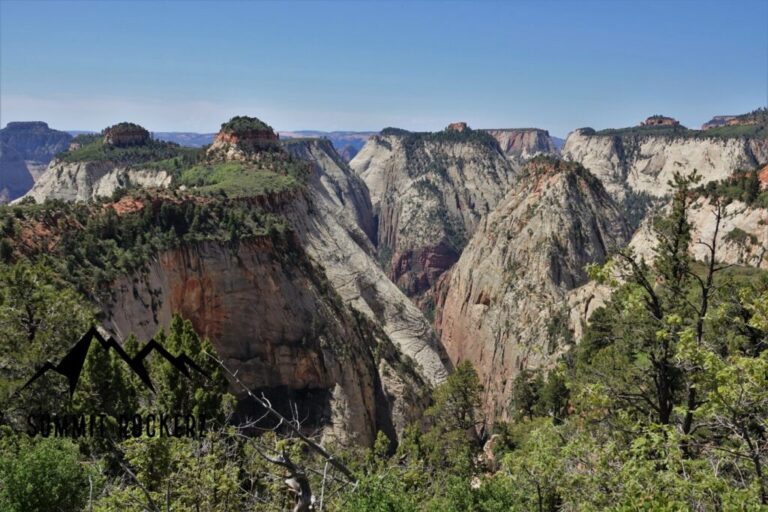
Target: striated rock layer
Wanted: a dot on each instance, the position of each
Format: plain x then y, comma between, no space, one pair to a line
524,143
429,191
646,162
312,320
506,305
84,181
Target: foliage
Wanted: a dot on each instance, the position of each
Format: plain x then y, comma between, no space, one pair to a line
97,244
741,186
43,475
239,125
146,155
240,179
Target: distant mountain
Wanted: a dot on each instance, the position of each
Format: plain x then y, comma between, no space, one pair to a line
347,144
25,150
190,139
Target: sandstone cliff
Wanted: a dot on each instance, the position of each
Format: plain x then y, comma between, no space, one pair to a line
645,162
275,320
312,319
505,305
83,181
429,191
524,143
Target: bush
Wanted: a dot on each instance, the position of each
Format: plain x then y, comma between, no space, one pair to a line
41,476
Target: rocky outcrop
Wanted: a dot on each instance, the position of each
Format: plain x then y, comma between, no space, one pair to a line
243,138
15,178
337,185
429,191
524,143
659,120
717,121
26,148
506,305
347,144
83,181
124,135
644,163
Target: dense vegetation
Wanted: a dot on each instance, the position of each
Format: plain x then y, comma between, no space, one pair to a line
240,125
742,186
93,149
272,172
413,141
97,242
756,126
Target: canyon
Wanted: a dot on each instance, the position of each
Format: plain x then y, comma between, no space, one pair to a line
425,250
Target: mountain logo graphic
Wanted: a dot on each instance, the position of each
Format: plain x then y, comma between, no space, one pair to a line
71,365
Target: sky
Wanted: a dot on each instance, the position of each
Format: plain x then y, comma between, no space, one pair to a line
357,65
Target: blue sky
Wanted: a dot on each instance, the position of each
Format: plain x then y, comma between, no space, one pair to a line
354,65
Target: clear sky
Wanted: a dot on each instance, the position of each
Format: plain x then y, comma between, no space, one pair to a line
354,65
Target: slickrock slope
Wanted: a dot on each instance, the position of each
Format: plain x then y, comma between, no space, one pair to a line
646,162
429,191
327,222
26,148
505,305
524,143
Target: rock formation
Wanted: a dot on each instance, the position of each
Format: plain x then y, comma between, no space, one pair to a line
742,236
644,163
429,191
658,120
506,305
524,143
311,319
26,148
125,134
717,121
83,181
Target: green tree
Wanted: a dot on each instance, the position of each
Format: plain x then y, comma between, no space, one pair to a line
42,475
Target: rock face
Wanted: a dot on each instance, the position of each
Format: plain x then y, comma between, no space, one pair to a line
26,148
313,319
241,137
347,144
658,120
330,227
270,315
506,305
125,135
717,121
83,181
429,191
646,162
524,143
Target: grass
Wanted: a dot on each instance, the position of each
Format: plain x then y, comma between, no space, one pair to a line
235,179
